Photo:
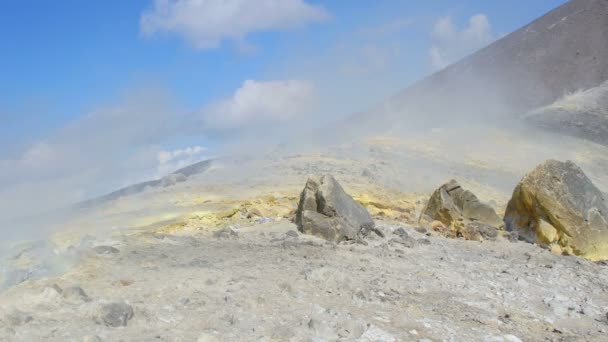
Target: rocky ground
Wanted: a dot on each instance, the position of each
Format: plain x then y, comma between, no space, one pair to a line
217,257
268,282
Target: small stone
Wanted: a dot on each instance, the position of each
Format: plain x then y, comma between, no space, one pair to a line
17,318
438,226
292,233
400,232
113,314
421,230
55,287
424,242
373,333
253,212
105,250
226,233
511,338
92,338
207,337
406,242
513,236
557,249
75,295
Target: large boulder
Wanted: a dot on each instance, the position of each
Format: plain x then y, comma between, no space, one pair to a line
326,211
558,207
451,203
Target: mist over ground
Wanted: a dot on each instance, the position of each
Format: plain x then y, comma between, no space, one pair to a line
303,170
461,122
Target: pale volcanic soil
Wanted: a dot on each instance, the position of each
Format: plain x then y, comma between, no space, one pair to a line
269,283
186,282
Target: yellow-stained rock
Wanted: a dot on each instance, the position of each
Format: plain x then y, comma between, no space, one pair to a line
437,226
556,202
546,233
556,249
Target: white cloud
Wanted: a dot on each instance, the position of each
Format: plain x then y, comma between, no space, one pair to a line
449,45
123,143
37,155
370,59
387,28
206,23
169,161
260,101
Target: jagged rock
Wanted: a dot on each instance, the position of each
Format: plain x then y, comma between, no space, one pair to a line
556,204
326,211
450,203
113,314
75,295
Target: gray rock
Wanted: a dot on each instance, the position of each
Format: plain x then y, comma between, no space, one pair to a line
326,211
253,212
421,230
75,295
226,233
423,242
292,233
450,203
105,250
113,314
477,229
406,242
400,232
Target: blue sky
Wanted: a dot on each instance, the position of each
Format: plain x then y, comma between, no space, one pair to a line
69,68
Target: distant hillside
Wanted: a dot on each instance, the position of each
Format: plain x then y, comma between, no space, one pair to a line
562,52
178,176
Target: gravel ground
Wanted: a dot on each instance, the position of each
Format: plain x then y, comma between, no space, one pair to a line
269,283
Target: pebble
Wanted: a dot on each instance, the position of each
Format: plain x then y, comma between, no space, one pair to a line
113,314
75,295
105,250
